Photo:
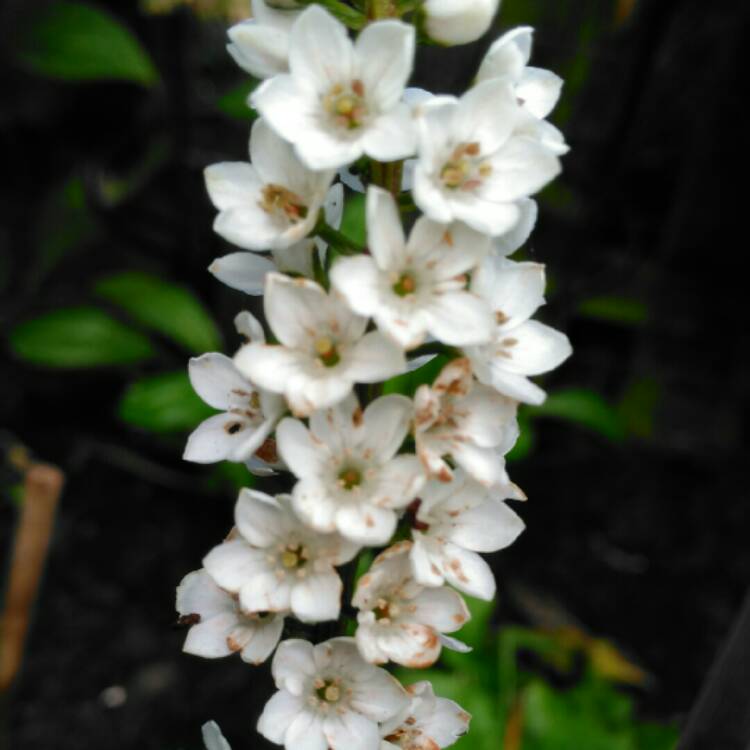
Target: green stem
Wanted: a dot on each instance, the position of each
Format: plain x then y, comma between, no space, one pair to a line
337,239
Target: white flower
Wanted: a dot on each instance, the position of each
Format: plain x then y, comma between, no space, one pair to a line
456,520
416,288
427,723
350,478
467,421
221,627
472,166
248,415
399,619
260,45
323,347
275,563
247,271
271,203
213,739
537,89
520,347
329,698
508,242
341,100
458,21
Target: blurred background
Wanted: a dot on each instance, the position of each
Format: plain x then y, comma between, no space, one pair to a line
614,602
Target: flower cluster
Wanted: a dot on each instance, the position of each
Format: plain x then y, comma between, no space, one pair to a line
420,476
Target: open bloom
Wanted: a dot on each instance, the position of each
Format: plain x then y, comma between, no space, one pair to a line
399,619
416,288
275,563
350,478
537,89
468,421
341,100
271,203
260,45
427,723
248,415
247,272
453,522
219,626
520,347
472,166
323,347
329,698
458,21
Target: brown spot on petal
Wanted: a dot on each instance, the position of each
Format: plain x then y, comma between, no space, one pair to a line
369,522
188,620
232,428
501,317
459,618
267,452
233,645
444,475
448,237
357,417
455,566
509,342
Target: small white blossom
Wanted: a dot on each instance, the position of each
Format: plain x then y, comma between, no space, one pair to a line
508,242
260,45
213,739
399,619
247,271
323,347
458,21
329,698
248,415
472,166
427,723
275,563
221,627
417,288
520,347
341,100
456,520
468,421
350,478
537,89
272,202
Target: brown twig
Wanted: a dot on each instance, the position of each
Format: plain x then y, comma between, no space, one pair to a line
43,485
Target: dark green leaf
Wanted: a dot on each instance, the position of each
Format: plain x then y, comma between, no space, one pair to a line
638,405
615,310
163,306
234,102
79,42
583,407
78,337
163,403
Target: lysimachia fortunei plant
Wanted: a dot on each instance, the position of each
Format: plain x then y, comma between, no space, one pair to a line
419,478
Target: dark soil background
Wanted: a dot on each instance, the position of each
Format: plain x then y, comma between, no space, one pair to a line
644,542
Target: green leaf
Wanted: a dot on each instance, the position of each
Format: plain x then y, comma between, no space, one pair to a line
163,403
353,221
78,337
234,102
163,306
410,381
615,310
79,42
637,407
583,407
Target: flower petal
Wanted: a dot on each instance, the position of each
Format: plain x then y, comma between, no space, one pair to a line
375,357
232,563
317,597
386,423
349,730
468,572
216,379
280,711
243,271
293,665
385,234
537,349
266,636
259,518
314,505
232,184
440,608
304,455
198,594
366,524
391,135
540,90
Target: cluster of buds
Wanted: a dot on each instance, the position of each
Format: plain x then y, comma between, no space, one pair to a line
421,479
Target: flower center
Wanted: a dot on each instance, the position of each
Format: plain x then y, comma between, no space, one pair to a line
294,556
405,285
464,169
327,352
346,104
385,610
350,478
328,690
277,199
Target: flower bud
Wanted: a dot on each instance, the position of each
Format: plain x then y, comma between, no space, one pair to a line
458,21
